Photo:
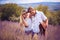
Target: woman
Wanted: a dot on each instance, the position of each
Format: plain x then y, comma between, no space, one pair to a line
26,21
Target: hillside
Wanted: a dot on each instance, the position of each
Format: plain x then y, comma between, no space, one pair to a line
51,5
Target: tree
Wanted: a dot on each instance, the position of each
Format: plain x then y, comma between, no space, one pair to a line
53,16
8,10
42,8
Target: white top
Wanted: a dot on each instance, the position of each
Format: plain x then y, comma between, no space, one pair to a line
28,20
36,20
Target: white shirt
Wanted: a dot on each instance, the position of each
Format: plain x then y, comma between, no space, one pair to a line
36,20
28,20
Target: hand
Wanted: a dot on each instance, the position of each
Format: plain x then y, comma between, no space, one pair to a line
44,25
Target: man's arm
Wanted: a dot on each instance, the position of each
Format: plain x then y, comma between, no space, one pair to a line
45,24
45,20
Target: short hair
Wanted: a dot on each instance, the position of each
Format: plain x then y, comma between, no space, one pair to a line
30,8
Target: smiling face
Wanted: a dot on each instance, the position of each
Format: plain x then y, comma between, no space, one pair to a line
24,14
32,11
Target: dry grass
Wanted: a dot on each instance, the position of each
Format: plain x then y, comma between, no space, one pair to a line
11,31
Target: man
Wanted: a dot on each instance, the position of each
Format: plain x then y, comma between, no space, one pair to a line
37,19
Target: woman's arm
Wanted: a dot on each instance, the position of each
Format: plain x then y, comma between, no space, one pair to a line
24,22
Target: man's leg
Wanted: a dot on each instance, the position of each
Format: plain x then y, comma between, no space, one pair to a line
41,37
44,37
35,37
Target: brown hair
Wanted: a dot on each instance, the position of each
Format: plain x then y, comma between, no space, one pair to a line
30,8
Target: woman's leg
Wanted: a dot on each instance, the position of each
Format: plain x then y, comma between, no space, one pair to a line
28,35
34,36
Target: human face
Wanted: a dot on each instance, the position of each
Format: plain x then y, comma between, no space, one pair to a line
28,15
33,12
24,15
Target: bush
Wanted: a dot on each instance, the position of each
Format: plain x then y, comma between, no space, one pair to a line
8,10
53,16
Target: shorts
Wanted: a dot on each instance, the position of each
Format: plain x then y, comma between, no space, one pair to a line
31,32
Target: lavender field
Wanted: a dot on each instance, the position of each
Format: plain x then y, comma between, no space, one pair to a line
11,31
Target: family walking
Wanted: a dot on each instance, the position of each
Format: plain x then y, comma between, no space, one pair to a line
34,22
